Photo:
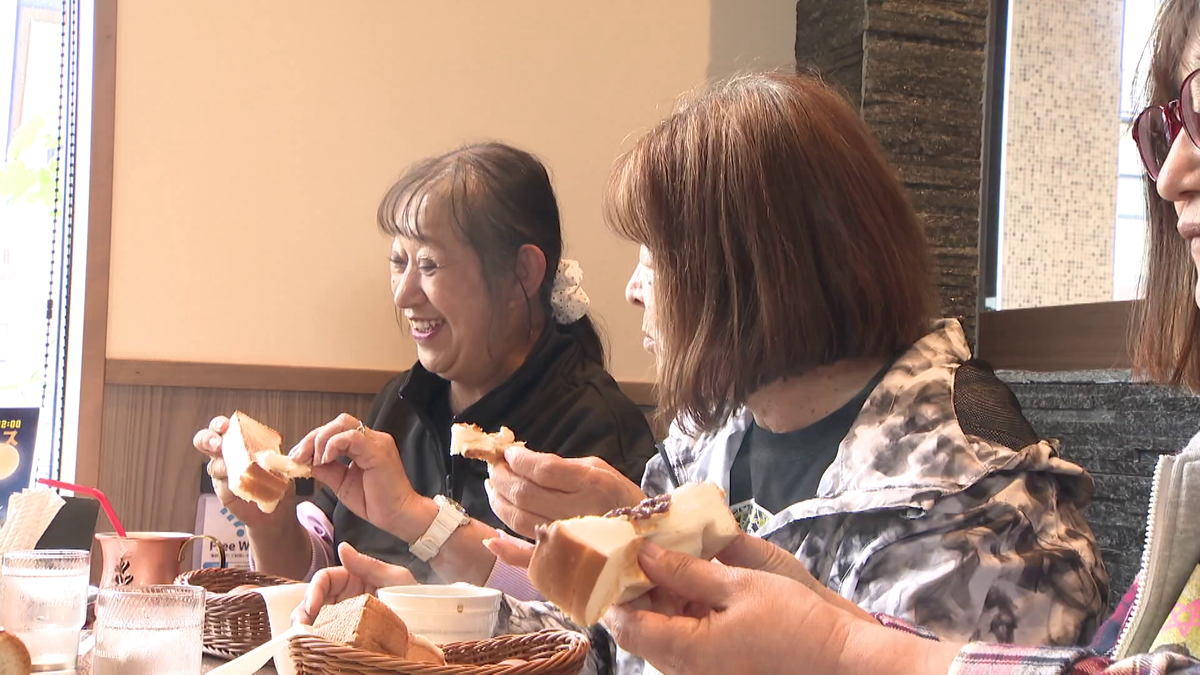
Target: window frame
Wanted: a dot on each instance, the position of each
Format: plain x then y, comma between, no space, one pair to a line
1086,336
89,323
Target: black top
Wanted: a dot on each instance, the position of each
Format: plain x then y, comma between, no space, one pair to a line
557,401
772,471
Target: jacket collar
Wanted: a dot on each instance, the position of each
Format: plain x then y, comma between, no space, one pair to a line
884,462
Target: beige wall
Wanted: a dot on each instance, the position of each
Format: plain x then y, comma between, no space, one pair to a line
1062,127
253,140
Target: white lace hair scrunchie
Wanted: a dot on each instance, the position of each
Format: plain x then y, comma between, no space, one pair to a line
568,302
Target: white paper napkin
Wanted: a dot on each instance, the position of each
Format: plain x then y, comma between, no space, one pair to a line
281,602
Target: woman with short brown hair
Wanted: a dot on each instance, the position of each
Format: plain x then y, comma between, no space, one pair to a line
782,242
786,296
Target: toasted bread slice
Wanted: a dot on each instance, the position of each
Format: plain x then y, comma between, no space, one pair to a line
585,565
472,442
251,449
364,622
420,648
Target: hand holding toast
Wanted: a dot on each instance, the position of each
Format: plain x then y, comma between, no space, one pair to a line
373,483
358,574
209,442
707,616
534,488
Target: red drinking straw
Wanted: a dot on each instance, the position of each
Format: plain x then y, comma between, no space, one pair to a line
93,493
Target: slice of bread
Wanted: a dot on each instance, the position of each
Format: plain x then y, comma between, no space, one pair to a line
242,446
14,656
364,622
472,442
585,565
420,648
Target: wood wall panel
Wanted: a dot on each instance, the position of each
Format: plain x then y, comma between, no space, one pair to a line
1093,336
148,467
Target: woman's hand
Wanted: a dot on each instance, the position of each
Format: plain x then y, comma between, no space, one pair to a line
533,488
208,442
510,550
374,485
358,574
753,553
712,618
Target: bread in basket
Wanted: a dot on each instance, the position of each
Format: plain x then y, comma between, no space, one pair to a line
549,652
362,635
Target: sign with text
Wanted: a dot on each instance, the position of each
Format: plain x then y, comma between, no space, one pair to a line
18,433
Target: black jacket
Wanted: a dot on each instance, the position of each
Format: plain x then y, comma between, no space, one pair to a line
558,401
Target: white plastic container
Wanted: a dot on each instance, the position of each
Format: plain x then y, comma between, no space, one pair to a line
451,613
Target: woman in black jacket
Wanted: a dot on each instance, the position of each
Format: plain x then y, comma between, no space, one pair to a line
503,338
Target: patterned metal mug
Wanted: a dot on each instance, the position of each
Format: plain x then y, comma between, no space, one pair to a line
146,558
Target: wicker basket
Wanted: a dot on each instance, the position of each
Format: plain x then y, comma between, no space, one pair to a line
233,623
549,652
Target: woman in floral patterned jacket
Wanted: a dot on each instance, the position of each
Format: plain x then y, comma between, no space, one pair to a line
767,622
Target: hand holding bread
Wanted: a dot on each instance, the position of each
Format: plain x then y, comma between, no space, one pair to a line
527,489
761,621
374,484
211,441
358,574
585,565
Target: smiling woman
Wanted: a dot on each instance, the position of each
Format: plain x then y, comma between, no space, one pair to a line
502,339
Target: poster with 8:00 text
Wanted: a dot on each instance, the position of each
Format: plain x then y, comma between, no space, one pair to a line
18,432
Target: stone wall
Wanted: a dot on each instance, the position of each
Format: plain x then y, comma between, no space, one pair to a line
916,70
1116,429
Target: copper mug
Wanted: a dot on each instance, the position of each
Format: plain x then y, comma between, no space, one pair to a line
146,558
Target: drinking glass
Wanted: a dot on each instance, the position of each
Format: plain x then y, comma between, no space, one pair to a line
45,604
149,630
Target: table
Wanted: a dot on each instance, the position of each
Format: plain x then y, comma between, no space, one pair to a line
211,662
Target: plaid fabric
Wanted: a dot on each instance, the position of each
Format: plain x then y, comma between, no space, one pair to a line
980,658
987,659
902,625
1106,638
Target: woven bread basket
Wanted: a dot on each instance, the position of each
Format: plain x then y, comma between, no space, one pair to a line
549,652
234,623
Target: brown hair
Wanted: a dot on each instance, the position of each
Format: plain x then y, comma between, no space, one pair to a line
1166,323
498,198
781,241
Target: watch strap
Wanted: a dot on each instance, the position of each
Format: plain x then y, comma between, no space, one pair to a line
450,517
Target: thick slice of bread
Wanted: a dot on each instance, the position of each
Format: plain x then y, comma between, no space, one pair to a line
420,648
364,622
472,442
242,446
14,656
585,565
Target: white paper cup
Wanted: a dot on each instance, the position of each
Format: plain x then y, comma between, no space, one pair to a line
451,613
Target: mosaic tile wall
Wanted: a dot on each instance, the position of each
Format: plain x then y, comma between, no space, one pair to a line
1061,152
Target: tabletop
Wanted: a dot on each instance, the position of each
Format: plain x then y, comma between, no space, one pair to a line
211,662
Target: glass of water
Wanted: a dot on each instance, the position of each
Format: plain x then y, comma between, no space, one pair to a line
149,630
44,602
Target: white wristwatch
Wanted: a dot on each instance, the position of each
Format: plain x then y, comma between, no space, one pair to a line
450,517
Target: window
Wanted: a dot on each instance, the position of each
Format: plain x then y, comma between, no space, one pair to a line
1069,222
39,94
